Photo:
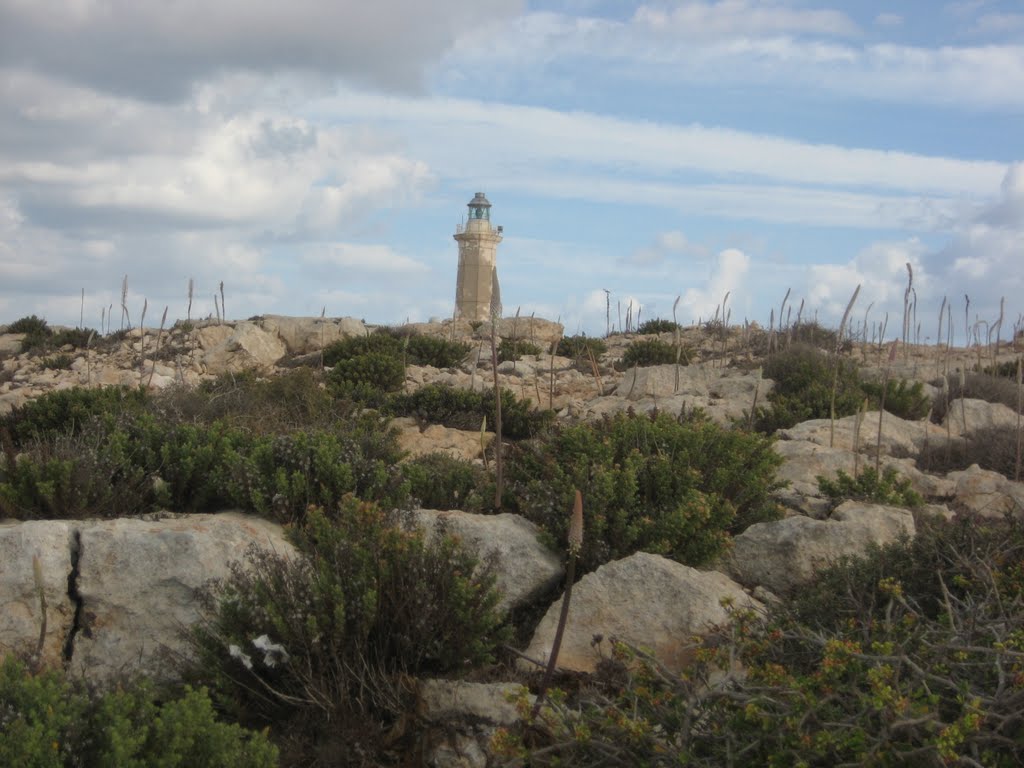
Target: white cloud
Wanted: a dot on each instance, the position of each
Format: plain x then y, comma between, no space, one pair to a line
888,20
728,275
738,18
362,258
155,49
666,245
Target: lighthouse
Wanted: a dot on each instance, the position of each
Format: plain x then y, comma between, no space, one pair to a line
477,296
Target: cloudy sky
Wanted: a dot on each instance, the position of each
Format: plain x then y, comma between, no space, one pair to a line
317,155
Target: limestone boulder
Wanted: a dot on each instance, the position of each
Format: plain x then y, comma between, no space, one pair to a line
645,600
10,343
966,415
987,493
21,617
137,581
458,443
785,554
13,399
463,701
524,568
245,346
537,330
304,335
899,437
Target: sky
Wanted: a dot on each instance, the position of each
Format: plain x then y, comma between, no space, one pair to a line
317,156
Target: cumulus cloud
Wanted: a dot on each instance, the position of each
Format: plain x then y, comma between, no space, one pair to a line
728,274
157,50
666,245
736,18
362,258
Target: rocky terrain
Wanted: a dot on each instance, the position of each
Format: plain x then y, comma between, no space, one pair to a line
118,592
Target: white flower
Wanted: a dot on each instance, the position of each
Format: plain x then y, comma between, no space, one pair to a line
263,643
236,653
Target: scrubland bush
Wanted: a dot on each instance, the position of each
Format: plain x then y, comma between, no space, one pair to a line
992,448
904,399
68,412
651,483
320,648
644,352
890,488
911,656
578,347
47,723
458,408
440,481
513,349
657,326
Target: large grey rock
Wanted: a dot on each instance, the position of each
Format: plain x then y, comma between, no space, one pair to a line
303,335
245,346
980,414
537,330
785,554
10,343
20,609
435,438
137,582
524,567
987,493
645,600
899,437
459,700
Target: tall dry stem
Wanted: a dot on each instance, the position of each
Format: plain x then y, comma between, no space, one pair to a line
498,465
835,366
881,407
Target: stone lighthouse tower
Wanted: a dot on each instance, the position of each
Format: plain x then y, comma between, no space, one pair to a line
477,296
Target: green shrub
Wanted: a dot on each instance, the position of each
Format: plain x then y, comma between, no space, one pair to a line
367,377
280,477
46,722
577,347
356,346
513,349
434,351
803,377
76,337
57,363
657,326
296,399
644,352
368,604
440,481
992,448
911,656
650,483
902,398
29,324
891,488
68,411
458,408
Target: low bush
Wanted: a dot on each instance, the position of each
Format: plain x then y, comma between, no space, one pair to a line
57,363
644,352
891,488
803,377
47,723
651,483
458,408
320,648
992,448
904,399
911,656
657,326
368,377
438,352
356,346
578,347
67,412
29,324
513,349
440,481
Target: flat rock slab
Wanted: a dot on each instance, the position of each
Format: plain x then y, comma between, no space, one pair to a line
784,555
645,600
50,541
137,582
524,567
